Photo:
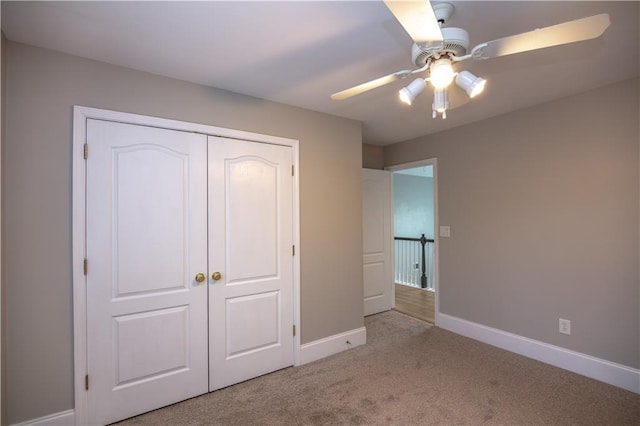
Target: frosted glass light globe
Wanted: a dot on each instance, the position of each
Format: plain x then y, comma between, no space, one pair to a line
441,73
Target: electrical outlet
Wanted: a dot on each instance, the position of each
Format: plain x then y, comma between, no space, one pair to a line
564,326
445,231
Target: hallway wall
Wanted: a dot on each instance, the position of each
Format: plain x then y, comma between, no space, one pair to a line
413,206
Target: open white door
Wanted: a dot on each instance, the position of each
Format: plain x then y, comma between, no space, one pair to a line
146,241
251,248
377,220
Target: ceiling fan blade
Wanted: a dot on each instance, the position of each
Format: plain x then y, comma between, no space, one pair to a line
418,20
567,32
364,87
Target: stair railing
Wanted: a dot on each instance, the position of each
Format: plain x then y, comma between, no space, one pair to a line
414,261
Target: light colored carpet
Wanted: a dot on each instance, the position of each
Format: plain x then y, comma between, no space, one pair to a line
410,373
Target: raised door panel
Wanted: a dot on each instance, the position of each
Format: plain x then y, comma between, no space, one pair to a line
252,219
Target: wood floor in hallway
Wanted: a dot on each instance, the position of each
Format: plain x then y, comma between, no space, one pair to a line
415,302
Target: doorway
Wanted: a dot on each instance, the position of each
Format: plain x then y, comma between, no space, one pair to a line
414,239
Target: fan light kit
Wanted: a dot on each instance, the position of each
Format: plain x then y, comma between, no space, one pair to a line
437,48
470,83
409,93
441,73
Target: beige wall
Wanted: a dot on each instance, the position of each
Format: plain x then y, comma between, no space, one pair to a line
3,298
42,87
543,206
372,156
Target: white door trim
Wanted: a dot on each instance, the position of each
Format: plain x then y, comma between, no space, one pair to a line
80,116
436,276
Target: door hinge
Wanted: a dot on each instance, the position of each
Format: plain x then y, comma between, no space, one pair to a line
85,266
293,170
86,382
86,151
294,330
294,250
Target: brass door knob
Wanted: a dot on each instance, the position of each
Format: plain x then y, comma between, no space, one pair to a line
216,276
200,277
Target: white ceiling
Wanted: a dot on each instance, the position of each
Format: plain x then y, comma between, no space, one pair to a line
300,52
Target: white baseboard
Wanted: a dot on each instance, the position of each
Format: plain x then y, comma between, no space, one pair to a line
599,369
322,348
64,418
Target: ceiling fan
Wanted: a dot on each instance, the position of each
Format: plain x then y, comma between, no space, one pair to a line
437,48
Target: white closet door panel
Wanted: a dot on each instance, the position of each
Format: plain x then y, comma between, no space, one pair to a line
250,245
146,241
254,321
150,225
140,336
252,218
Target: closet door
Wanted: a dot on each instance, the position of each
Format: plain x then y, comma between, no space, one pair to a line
250,260
146,242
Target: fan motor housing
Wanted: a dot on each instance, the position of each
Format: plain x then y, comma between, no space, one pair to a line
455,42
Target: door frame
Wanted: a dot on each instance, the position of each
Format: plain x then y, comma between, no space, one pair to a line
80,116
436,276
